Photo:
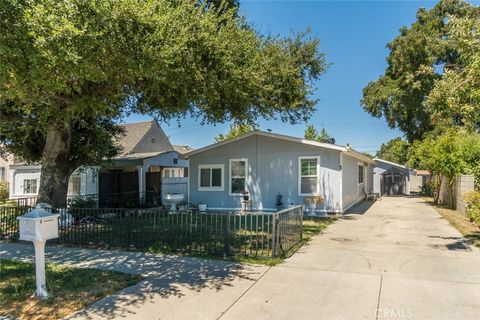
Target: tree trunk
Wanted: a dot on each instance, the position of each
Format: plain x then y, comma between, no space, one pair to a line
451,186
56,166
438,189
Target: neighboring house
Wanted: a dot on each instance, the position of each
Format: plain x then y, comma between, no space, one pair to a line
266,165
419,181
146,157
5,162
391,178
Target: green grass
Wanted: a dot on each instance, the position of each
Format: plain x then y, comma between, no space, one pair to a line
70,289
8,203
311,228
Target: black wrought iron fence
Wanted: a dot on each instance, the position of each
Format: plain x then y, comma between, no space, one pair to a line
9,222
148,199
221,234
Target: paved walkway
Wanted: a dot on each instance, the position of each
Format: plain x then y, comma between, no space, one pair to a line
399,260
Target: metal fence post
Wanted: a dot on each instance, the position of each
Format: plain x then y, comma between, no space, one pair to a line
226,231
274,235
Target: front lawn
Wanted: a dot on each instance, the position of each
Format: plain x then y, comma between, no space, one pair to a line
459,221
70,289
312,226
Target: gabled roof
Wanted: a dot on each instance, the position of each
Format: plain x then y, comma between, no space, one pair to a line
134,132
391,163
343,149
143,138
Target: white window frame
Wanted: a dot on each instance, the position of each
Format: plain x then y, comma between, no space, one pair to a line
230,177
170,170
36,186
361,164
211,166
300,194
70,183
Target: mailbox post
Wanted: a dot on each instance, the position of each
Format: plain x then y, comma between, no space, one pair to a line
38,226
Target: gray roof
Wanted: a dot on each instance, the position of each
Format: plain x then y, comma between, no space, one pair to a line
182,149
134,132
344,149
143,138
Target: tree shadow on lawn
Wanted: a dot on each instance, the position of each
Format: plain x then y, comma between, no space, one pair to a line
165,276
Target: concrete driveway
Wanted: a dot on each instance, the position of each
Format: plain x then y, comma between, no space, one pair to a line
399,260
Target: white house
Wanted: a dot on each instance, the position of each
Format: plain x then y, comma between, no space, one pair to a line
147,157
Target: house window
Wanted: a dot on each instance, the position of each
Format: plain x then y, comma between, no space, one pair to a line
210,177
74,184
308,168
30,186
360,174
238,176
2,174
169,173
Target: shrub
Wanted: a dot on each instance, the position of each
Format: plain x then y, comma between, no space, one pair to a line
4,193
82,202
472,201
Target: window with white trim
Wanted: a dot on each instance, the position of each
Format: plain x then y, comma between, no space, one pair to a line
308,171
210,177
238,176
74,184
360,174
30,186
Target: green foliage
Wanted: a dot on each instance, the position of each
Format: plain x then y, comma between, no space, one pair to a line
446,155
416,56
395,150
71,69
455,99
82,202
312,134
4,191
236,130
472,201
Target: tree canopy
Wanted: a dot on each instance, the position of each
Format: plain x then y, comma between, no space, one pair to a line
447,155
312,134
415,64
70,69
395,150
236,130
455,99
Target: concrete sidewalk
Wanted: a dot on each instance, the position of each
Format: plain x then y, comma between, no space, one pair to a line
174,288
399,260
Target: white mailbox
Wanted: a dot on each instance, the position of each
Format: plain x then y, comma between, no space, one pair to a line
38,224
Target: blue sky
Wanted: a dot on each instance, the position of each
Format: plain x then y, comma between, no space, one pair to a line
353,34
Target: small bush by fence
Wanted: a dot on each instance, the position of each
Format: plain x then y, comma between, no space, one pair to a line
472,204
221,234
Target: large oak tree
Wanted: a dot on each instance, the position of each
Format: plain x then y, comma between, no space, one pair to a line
70,69
416,62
